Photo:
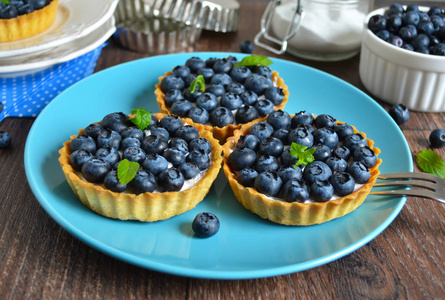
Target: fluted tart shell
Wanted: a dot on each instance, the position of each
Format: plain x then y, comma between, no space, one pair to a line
222,133
295,213
143,207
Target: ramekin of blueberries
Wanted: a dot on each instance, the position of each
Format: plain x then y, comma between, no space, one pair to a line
402,59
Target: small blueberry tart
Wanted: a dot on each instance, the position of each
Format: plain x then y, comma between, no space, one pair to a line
221,93
20,20
300,169
152,173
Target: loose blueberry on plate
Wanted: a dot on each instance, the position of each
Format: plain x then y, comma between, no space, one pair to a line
205,225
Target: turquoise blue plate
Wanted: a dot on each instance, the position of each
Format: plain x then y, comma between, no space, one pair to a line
246,245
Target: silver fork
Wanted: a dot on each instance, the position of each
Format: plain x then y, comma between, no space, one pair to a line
434,185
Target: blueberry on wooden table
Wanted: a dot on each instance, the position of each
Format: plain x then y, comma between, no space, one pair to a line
246,47
437,138
205,225
5,140
399,113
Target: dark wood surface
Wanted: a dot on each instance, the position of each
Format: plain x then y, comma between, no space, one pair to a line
40,260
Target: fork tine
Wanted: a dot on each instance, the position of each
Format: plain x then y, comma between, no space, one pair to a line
415,193
420,183
413,175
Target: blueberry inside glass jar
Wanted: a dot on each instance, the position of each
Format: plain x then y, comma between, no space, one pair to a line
330,30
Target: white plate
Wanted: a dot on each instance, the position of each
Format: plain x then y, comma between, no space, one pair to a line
74,19
19,66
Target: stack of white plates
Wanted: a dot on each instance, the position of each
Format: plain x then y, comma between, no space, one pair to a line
80,26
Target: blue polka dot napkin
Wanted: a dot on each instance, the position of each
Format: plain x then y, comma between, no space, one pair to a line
26,96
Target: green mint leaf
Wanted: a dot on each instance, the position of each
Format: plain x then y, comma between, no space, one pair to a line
303,155
126,171
254,60
432,163
5,1
199,81
141,119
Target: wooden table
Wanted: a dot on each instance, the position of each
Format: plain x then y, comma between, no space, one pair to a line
40,260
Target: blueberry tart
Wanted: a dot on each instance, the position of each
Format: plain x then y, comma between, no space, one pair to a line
222,93
300,169
23,19
131,167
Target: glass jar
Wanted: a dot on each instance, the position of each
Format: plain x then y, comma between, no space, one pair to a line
330,30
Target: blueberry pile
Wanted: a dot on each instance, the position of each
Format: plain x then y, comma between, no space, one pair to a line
172,153
17,8
262,159
233,94
412,29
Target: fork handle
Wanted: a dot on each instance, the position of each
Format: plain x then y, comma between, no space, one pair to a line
404,175
414,193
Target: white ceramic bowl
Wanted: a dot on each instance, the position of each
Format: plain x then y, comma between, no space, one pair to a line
400,76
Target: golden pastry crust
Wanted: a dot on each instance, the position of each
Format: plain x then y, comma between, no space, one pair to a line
28,25
222,133
143,207
295,213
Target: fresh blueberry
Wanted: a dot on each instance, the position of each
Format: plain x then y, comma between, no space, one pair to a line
199,158
343,183
200,144
342,152
207,101
108,138
223,65
134,154
359,172
246,47
199,115
246,114
377,23
282,134
143,182
175,156
437,21
191,96
187,133
93,130
261,130
308,128
223,79
420,42
425,27
83,142
316,170
263,71
302,137
395,40
279,119
231,101
171,123
434,40
109,155
115,121
411,18
408,47
179,144
241,158
274,94
326,136
181,108
288,173
412,7
132,132
170,180
95,169
195,63
205,225
257,83
407,33
172,82
437,138
221,117
248,141
207,73
435,10
130,142
155,164
246,177
189,170
354,141
159,130
267,163
181,71
154,144
336,163
216,89
38,4
188,82
236,88
240,73
395,9
366,155
324,120
77,158
303,117
295,191
383,34
111,182
268,183
249,97
264,107
287,159
399,113
438,49
271,146
393,23
343,130
322,152
321,190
